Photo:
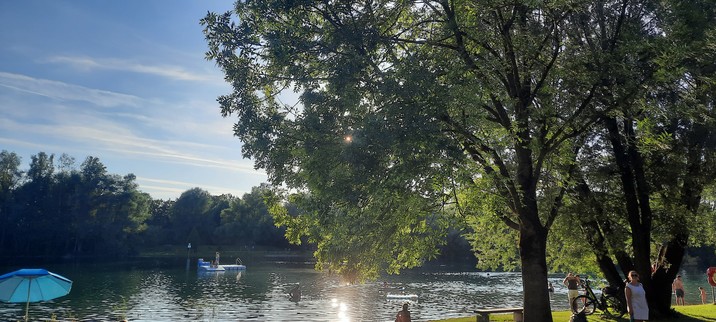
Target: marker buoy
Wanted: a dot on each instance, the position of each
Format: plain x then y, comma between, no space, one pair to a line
710,273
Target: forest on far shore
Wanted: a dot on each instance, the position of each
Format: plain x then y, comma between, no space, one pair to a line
57,208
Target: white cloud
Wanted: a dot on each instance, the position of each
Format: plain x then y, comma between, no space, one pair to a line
177,187
66,92
166,71
106,134
22,143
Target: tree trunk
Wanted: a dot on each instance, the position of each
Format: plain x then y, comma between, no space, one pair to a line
659,295
533,245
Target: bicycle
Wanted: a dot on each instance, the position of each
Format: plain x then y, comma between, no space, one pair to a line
608,302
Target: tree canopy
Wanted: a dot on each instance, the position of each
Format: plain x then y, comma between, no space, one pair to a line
417,116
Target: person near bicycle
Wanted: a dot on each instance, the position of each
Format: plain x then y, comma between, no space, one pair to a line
572,282
582,283
636,299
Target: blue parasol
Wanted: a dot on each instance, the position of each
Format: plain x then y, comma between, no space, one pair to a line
32,285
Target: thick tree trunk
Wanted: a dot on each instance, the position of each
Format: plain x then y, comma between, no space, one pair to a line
669,262
533,245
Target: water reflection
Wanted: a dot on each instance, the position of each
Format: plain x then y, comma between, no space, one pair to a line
167,292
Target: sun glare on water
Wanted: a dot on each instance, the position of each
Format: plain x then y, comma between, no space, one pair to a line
342,310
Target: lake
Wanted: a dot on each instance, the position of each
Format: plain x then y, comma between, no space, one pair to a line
165,290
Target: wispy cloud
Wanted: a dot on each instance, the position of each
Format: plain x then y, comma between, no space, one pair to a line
166,71
24,143
115,130
98,134
161,192
66,92
177,187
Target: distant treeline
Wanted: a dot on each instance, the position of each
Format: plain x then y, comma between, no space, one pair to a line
57,209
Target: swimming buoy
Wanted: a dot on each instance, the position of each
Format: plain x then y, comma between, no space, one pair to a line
710,273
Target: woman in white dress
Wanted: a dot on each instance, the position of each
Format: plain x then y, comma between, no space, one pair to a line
636,299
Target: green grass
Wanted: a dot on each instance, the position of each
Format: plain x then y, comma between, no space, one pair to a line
703,312
688,313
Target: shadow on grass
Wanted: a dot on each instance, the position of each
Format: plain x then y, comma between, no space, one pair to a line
693,318
675,317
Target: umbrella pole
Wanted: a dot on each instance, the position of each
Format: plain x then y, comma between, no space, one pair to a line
27,306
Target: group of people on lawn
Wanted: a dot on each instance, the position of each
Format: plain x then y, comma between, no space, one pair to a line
634,294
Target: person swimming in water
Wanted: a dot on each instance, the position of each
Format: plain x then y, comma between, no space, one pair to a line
295,294
403,315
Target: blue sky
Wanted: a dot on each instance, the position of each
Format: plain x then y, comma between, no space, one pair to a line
124,81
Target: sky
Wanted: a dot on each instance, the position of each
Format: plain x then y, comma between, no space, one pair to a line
126,82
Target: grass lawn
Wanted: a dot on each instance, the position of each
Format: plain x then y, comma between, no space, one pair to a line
688,313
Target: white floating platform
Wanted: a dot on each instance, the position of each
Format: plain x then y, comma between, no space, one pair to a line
402,296
207,267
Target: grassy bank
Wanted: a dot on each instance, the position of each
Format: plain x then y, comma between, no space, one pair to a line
689,313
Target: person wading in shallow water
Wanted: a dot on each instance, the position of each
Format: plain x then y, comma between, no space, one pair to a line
403,315
295,294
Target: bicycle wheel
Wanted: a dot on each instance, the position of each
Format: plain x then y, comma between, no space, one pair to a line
614,306
584,303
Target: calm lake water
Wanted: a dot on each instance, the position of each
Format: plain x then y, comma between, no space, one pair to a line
165,290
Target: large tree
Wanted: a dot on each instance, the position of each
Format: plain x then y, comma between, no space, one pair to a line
406,106
645,174
192,219
661,149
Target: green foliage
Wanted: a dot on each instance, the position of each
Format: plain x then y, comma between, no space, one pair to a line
191,213
69,211
86,211
703,224
569,250
247,221
399,103
359,244
494,243
492,117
